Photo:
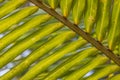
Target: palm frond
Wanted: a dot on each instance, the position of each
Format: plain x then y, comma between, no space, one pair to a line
54,51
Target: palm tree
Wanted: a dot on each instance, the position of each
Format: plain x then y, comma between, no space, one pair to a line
59,39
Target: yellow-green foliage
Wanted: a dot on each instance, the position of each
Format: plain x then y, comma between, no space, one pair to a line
56,52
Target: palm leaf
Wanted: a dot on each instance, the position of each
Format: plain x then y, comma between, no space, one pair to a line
54,51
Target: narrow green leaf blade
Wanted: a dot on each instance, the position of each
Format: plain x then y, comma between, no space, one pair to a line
76,75
90,14
34,22
60,70
16,18
114,33
103,19
104,72
66,7
116,77
78,10
10,6
53,3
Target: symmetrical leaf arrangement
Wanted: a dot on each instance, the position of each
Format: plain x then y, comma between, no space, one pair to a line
55,52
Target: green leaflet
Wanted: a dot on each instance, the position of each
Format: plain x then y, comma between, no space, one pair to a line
53,3
103,72
23,29
114,32
26,43
41,76
45,63
65,6
60,70
103,18
10,6
17,17
45,48
116,77
76,75
78,10
90,14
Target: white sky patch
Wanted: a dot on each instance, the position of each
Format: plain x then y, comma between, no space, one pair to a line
1,35
2,72
26,53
